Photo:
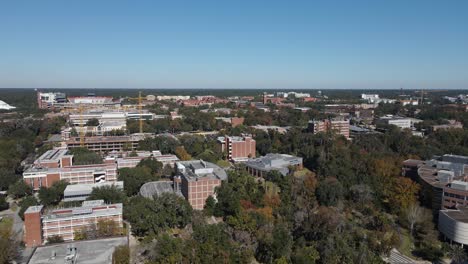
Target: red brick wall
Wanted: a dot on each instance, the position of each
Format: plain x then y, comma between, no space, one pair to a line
50,179
66,161
32,229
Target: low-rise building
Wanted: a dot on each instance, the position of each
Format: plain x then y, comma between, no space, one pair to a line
452,124
125,160
399,121
81,192
197,180
237,148
281,130
282,163
40,224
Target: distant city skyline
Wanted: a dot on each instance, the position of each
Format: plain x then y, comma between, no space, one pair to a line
240,44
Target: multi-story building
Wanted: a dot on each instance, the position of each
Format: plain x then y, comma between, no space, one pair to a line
107,143
371,98
49,100
337,125
453,224
401,122
125,160
39,224
282,163
91,100
56,164
443,180
451,125
197,179
237,148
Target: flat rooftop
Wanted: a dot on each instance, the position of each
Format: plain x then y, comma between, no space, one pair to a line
87,252
195,169
79,188
52,155
460,214
157,188
90,208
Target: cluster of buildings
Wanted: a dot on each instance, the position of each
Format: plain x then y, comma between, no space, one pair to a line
58,100
195,180
444,188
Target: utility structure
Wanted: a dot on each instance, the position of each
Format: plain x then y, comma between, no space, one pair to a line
140,109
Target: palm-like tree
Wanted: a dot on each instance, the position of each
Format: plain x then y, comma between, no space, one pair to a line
457,254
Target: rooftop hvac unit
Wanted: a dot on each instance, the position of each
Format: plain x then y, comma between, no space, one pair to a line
445,176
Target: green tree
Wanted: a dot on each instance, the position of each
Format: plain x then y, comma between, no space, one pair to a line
134,178
329,192
19,189
83,156
52,195
54,239
3,203
149,217
92,122
110,194
154,165
121,255
210,205
7,178
25,203
165,144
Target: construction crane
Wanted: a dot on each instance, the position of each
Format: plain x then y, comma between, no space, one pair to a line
140,109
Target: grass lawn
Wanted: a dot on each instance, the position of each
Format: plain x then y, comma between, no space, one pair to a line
6,224
405,243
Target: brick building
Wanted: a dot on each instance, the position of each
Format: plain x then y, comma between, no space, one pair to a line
56,164
237,148
39,224
337,125
197,180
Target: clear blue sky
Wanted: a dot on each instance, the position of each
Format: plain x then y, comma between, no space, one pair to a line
234,44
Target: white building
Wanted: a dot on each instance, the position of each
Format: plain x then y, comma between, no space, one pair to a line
5,106
371,98
453,223
295,94
401,122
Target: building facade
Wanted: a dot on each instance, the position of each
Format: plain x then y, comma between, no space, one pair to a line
237,148
197,180
39,225
338,125
55,165
107,143
453,224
